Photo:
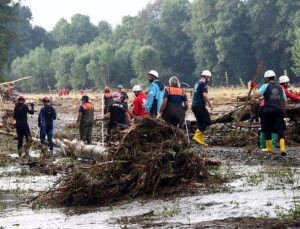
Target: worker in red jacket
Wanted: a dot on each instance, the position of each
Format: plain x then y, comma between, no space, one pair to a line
284,83
139,103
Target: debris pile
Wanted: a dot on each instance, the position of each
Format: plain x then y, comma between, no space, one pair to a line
150,157
7,90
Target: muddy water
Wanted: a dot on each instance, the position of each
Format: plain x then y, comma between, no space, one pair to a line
253,191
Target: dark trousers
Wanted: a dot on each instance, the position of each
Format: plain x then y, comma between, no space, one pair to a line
202,117
85,130
22,131
274,123
45,131
174,114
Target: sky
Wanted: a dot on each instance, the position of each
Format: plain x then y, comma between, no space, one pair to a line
47,12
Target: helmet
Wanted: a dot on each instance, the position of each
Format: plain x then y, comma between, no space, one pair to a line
46,99
136,88
206,73
174,81
120,86
116,96
107,88
153,73
85,98
21,98
269,74
284,79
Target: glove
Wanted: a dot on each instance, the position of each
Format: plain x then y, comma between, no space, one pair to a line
253,85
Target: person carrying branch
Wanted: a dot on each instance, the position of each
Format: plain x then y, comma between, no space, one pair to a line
274,109
175,104
20,114
200,98
85,119
155,94
45,122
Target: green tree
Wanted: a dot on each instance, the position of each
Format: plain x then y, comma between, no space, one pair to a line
61,61
296,54
7,15
144,59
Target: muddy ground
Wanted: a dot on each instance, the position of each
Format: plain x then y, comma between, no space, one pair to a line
261,191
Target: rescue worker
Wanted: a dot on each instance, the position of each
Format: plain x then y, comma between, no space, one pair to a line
175,103
86,119
139,103
45,122
273,117
124,95
284,83
20,114
262,137
118,114
108,99
155,94
200,98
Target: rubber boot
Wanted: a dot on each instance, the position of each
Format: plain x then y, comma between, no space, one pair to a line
262,140
282,147
268,148
202,139
197,136
274,141
20,152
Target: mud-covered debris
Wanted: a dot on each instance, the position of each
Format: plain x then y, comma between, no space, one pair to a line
151,157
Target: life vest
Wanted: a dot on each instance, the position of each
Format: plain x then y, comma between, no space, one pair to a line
175,91
88,112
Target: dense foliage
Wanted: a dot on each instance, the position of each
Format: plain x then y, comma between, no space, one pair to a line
175,37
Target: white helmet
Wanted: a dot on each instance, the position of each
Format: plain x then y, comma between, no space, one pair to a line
136,88
269,74
206,73
153,73
284,79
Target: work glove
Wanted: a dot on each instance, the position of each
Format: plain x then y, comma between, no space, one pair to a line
253,85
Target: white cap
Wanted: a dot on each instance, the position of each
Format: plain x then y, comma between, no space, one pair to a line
136,88
269,73
206,73
154,73
284,79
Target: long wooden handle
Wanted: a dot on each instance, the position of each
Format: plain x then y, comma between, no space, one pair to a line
254,78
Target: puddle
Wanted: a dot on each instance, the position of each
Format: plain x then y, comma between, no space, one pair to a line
258,192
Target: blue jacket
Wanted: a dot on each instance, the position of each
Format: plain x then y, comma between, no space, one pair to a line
156,91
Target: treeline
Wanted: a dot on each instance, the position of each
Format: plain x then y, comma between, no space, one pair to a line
175,37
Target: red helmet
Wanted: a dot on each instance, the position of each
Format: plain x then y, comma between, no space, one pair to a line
107,88
21,97
46,99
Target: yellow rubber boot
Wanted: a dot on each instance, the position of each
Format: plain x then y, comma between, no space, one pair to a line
282,146
268,148
202,139
197,136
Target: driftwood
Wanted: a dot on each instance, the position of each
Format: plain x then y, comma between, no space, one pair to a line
7,89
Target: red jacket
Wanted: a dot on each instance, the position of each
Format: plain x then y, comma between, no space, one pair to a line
290,95
139,105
